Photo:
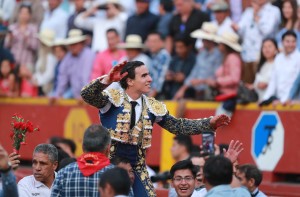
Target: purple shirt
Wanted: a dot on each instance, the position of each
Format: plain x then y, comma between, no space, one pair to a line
75,71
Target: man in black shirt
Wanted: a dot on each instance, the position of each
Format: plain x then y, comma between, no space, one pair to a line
185,21
143,21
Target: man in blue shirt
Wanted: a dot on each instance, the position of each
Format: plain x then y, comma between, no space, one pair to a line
218,176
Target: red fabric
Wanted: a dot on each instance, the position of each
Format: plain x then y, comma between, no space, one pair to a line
224,97
89,163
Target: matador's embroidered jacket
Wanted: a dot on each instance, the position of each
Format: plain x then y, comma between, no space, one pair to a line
117,121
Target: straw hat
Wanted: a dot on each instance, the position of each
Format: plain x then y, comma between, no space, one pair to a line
132,41
46,37
208,31
75,36
230,39
220,6
59,42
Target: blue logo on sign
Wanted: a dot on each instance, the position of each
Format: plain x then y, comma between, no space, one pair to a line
263,133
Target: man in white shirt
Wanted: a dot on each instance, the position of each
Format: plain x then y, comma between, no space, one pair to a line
55,19
44,163
222,19
250,177
258,22
286,69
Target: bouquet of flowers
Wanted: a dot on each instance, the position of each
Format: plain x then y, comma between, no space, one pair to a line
19,129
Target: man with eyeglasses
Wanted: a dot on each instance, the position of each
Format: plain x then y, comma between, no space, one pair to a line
183,174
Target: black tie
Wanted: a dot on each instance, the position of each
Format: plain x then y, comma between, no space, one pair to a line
255,194
132,119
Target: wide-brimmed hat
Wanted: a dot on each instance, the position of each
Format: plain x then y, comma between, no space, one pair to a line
220,6
132,41
75,36
230,39
59,42
208,31
47,37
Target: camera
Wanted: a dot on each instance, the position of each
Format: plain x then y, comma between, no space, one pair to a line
164,176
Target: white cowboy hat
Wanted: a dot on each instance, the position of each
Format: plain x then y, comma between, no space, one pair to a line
230,39
46,37
132,41
102,5
75,36
59,42
208,31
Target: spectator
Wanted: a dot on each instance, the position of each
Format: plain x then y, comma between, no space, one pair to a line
36,16
55,19
289,21
24,81
22,38
7,6
165,13
124,163
114,182
8,85
60,50
257,22
45,65
44,164
134,49
183,174
9,186
143,21
79,8
199,162
228,75
222,18
108,58
217,178
185,21
283,77
76,67
250,177
181,148
81,178
114,18
160,62
207,62
180,66
265,67
68,146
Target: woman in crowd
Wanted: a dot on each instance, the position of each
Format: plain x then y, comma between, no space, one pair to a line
22,38
289,21
264,68
228,75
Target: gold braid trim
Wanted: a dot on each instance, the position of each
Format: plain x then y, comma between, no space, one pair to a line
116,97
155,107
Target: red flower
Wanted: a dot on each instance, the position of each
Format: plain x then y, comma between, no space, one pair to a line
17,125
29,127
23,126
23,143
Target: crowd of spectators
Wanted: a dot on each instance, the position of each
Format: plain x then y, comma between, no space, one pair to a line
194,49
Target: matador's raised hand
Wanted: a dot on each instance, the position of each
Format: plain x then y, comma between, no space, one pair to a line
114,74
220,120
